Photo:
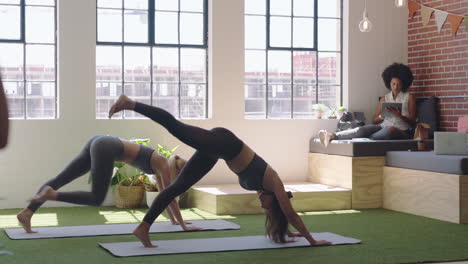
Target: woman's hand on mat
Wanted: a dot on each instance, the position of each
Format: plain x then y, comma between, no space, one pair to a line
294,234
192,228
320,243
185,222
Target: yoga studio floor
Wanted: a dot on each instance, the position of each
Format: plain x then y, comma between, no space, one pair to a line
387,237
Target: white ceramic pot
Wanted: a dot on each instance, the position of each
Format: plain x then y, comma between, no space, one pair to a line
150,196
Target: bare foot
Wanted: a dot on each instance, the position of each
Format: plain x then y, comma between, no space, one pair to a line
46,194
24,217
142,233
122,103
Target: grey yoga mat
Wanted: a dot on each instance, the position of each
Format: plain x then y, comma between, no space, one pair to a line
129,249
114,229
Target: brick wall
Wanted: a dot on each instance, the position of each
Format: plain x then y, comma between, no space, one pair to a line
440,61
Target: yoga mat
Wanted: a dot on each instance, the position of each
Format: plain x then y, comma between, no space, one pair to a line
5,252
129,249
114,229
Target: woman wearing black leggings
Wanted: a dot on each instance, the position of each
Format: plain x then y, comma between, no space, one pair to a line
98,157
254,173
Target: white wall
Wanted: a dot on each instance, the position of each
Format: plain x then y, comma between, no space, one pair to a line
38,149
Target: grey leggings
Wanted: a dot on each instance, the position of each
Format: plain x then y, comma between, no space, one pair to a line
97,156
376,132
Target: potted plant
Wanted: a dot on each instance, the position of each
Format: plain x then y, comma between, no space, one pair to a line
332,113
319,109
149,183
340,111
127,182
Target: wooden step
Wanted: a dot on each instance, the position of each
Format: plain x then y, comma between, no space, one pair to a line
233,199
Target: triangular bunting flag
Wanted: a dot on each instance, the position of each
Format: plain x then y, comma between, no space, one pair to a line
465,19
440,17
412,7
454,23
426,13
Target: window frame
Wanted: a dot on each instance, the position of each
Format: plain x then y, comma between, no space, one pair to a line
152,44
22,40
291,49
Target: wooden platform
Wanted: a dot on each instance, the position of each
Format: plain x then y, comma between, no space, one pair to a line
431,194
362,175
233,199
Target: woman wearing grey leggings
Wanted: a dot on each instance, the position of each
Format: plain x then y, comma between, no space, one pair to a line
98,157
397,78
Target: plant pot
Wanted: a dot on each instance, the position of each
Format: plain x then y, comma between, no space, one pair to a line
318,114
150,196
128,196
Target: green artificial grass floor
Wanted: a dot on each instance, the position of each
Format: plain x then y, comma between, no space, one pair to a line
388,237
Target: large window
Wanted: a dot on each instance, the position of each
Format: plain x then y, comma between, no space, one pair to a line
27,57
154,51
292,57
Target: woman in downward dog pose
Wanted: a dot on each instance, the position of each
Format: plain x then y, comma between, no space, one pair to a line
98,156
254,173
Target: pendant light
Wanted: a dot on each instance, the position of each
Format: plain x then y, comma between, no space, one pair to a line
365,25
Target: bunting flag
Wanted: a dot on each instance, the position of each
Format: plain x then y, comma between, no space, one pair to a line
440,17
465,19
412,7
426,13
455,22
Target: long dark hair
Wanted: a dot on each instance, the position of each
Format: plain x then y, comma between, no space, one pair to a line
276,223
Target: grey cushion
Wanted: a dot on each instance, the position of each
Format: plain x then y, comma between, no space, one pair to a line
364,148
428,161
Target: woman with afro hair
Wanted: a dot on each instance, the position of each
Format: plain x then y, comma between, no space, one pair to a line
397,78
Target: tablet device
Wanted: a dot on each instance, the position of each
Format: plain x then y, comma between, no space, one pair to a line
386,105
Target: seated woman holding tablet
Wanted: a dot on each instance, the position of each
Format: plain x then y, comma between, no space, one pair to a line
395,113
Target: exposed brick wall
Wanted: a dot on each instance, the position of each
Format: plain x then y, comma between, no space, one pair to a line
440,60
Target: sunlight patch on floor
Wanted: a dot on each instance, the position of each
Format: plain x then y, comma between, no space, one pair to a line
120,217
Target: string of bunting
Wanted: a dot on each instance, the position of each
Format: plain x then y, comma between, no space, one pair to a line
440,16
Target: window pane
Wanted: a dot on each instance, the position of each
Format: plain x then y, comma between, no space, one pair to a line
137,64
11,16
40,100
11,61
279,101
304,99
304,7
191,29
193,65
191,5
279,67
255,103
41,2
166,96
280,32
106,94
14,92
304,67
255,7
329,8
109,25
136,4
167,5
140,92
166,65
192,100
329,95
329,34
40,62
303,32
166,28
329,65
110,3
40,24
136,26
255,66
255,36
280,7
108,63
14,2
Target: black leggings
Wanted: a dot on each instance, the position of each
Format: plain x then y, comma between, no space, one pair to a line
211,145
98,155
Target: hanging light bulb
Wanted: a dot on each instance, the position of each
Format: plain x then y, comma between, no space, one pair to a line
365,25
400,3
